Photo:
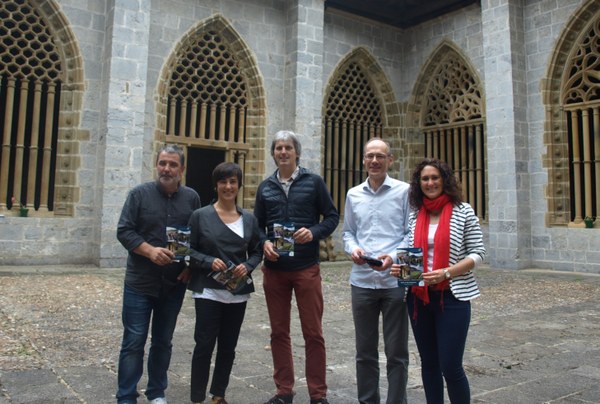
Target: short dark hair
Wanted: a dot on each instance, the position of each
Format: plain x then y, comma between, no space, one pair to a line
225,170
172,148
285,135
451,185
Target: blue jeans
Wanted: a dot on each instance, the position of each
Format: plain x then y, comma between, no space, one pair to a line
138,310
367,306
440,332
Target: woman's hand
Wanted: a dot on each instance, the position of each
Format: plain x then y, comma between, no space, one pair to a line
240,270
434,277
218,265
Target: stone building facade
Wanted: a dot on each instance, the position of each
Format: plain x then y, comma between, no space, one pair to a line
506,90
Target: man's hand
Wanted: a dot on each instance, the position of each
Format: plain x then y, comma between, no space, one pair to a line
185,275
303,236
269,251
357,255
387,262
161,256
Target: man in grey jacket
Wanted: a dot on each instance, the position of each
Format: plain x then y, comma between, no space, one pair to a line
154,284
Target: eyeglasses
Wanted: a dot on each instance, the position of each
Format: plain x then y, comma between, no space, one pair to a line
372,156
433,178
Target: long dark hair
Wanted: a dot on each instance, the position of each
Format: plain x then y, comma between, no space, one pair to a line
451,185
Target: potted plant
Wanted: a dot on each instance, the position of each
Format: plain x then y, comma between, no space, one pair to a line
589,222
23,211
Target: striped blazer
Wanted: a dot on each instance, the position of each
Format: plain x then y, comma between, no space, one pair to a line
466,239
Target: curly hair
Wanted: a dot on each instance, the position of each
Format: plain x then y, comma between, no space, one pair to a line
451,185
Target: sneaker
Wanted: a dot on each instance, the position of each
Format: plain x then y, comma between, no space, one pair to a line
284,399
218,400
319,401
158,400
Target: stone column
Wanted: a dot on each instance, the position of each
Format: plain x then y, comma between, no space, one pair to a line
303,77
120,149
507,134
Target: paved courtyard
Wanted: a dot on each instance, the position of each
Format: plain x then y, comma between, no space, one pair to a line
534,338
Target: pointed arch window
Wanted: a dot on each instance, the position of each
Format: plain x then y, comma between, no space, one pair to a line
581,100
453,127
207,98
352,116
30,92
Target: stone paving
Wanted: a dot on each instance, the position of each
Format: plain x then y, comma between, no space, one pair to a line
534,338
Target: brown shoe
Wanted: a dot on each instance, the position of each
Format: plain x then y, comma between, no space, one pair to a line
218,400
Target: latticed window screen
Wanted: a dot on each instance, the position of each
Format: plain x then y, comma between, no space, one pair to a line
454,129
582,105
353,115
30,85
207,94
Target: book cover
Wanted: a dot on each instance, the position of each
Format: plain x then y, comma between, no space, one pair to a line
283,238
411,261
227,279
178,241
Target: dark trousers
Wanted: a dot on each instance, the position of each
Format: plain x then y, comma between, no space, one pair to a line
367,306
441,333
216,323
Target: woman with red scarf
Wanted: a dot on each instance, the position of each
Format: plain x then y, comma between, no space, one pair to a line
448,231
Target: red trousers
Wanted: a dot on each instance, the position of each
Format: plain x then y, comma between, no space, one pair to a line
306,285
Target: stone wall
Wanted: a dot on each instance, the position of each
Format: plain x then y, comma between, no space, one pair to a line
298,46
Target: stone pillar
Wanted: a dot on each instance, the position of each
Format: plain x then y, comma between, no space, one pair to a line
120,149
303,74
507,134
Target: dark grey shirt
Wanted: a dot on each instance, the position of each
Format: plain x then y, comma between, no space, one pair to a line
145,216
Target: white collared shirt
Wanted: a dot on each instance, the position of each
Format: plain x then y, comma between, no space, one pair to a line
377,222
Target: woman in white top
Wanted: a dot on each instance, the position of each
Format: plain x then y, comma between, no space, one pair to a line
448,231
225,240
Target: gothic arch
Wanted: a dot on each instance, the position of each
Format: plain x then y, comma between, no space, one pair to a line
51,66
445,51
446,120
565,65
242,91
358,104
378,81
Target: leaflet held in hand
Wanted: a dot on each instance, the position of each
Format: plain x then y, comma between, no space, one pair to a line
283,238
178,241
227,279
411,271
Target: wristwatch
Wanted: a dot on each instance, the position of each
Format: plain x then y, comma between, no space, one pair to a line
447,274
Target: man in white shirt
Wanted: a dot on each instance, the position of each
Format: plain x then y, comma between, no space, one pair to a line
375,224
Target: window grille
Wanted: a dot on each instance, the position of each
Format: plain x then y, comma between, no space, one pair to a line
453,127
581,99
353,115
207,98
30,88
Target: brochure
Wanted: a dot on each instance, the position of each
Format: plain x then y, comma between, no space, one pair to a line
227,279
411,260
283,238
178,241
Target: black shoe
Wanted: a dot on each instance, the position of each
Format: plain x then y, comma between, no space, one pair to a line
319,401
285,399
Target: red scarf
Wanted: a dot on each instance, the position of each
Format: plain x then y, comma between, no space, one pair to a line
441,240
